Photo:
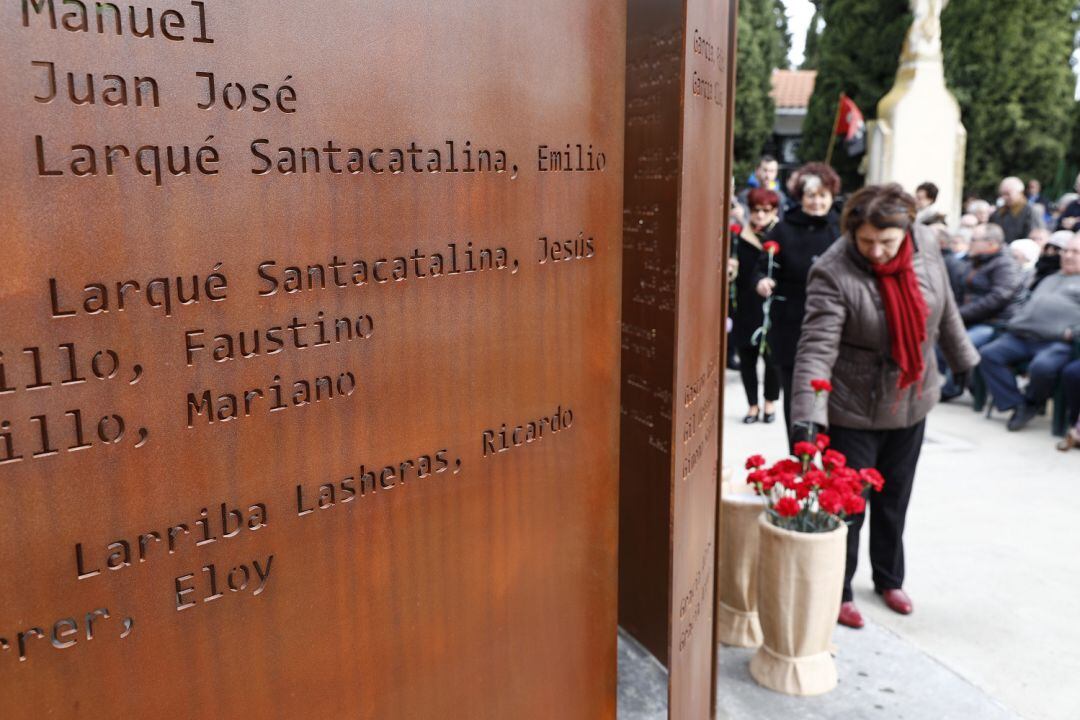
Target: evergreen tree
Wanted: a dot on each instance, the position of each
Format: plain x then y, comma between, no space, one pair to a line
781,48
1008,64
763,46
812,47
859,53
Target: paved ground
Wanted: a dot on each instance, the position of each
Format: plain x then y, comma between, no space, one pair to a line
882,677
993,549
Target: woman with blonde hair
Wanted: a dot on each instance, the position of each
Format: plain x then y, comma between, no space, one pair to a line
804,234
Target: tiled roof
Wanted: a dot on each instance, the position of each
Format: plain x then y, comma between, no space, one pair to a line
793,88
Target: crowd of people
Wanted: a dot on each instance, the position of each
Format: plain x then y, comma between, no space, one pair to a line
1013,267
879,295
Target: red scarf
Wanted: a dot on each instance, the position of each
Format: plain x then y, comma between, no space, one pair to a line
905,312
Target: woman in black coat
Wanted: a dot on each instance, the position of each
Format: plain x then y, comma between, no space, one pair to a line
803,236
746,305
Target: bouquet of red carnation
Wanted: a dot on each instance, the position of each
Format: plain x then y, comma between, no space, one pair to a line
814,490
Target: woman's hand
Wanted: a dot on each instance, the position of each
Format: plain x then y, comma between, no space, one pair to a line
765,287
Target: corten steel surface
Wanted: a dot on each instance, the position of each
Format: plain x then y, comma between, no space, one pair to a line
373,544
731,54
677,165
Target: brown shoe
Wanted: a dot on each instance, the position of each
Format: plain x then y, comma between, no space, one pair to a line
898,601
850,616
1072,440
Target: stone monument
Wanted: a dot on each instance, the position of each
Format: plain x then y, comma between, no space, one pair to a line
918,135
680,73
309,348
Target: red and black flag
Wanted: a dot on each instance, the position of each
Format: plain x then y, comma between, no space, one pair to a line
850,124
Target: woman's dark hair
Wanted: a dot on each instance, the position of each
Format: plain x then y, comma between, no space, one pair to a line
825,174
761,197
930,189
883,206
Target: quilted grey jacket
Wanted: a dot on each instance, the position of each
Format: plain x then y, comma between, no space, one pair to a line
845,338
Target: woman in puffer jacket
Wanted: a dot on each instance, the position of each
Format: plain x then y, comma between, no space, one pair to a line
877,303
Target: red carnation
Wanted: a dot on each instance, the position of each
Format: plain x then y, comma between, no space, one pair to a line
816,478
787,465
822,441
772,247
854,504
754,461
821,385
787,507
736,229
805,448
833,458
831,501
873,478
787,479
758,476
845,481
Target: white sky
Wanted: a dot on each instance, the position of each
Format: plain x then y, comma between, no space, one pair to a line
799,14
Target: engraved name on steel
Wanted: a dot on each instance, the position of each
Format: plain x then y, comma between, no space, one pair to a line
309,358
677,170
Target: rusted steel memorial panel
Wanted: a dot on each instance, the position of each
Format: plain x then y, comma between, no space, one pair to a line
679,78
308,358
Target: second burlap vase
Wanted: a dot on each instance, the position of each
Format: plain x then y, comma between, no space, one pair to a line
800,582
736,587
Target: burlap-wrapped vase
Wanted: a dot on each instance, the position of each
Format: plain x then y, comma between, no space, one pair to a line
736,572
800,583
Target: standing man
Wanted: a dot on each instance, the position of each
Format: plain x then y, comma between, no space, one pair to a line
1034,193
1041,332
1015,216
1037,201
767,177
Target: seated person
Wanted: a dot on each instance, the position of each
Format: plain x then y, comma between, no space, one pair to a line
1070,377
992,285
1069,216
1026,253
1042,332
1049,261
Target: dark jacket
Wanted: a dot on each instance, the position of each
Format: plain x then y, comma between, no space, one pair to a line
746,303
993,287
1016,222
1071,210
802,239
846,339
1046,266
957,269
